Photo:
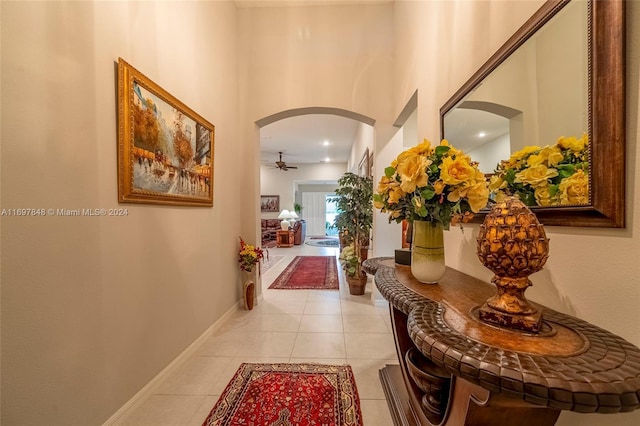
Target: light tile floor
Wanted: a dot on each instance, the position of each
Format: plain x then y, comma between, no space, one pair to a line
321,326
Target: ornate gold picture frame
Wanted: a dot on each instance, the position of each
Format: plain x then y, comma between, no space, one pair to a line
165,149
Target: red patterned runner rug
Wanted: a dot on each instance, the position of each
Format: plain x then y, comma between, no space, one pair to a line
289,395
309,273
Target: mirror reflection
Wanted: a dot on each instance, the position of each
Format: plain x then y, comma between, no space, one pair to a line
537,96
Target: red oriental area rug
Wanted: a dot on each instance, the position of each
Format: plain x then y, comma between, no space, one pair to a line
288,395
309,273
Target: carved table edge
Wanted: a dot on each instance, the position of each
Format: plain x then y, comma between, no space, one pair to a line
604,378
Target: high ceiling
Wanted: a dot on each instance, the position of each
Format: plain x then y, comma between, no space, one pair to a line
281,3
301,139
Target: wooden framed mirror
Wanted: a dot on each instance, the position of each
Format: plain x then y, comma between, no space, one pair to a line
599,103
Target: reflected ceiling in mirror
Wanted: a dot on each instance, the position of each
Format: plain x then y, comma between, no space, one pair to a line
541,87
560,75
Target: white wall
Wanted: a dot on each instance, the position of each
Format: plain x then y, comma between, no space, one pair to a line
94,307
490,153
386,236
410,132
363,141
591,273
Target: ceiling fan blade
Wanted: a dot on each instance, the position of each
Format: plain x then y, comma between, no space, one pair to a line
292,167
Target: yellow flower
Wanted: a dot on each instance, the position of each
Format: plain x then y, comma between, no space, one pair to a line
391,187
452,151
478,196
384,185
536,175
395,195
500,196
573,143
458,193
574,189
535,159
524,152
423,149
412,169
543,197
439,186
549,156
497,182
454,172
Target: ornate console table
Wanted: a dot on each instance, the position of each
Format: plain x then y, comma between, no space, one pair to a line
457,370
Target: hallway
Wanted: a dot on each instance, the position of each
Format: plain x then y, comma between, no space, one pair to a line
297,326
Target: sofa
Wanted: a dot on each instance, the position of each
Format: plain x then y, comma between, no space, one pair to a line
299,231
270,229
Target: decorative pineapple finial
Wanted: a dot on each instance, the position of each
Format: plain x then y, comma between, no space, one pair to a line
513,245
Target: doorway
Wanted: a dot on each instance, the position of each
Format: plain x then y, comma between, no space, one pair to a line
331,211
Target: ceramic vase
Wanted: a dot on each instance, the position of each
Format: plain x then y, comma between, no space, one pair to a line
248,290
427,253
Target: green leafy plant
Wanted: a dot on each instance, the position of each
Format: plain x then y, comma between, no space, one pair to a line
355,214
350,261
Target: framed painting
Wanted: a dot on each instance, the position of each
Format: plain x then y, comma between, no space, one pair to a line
165,149
269,203
363,166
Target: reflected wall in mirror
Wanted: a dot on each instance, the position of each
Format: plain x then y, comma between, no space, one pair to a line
560,75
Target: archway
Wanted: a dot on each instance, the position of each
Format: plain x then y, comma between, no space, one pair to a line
354,135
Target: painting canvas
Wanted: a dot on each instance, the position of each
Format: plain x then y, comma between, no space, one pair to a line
165,150
270,203
363,166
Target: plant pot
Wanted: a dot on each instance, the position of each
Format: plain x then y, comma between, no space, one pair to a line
357,285
427,253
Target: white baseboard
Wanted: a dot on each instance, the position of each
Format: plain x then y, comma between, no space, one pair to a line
150,387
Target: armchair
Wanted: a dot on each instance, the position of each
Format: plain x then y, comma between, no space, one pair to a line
299,231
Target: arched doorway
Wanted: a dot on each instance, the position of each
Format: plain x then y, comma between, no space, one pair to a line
311,174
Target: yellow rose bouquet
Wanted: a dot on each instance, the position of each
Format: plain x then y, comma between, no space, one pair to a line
435,184
546,176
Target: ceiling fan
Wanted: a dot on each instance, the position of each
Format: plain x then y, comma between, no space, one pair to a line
282,165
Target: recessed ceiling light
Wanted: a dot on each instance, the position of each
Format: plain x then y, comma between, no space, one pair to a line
327,159
326,143
482,134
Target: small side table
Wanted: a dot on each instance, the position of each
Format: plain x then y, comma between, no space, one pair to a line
284,238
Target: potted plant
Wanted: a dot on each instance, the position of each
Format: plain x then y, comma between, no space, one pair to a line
354,221
351,264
